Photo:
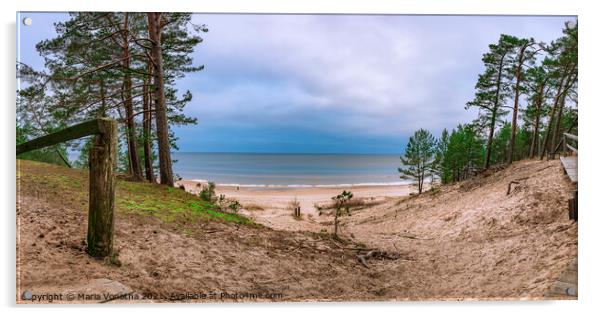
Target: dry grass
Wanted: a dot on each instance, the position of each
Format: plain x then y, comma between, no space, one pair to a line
294,204
354,204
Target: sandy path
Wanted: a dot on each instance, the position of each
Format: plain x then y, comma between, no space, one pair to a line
470,239
271,206
478,239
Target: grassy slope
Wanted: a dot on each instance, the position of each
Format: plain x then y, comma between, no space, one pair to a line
164,203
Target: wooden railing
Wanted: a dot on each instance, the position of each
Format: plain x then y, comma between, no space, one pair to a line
566,139
102,161
570,167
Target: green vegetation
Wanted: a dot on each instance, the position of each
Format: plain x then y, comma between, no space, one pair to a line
208,192
165,203
223,203
341,201
418,158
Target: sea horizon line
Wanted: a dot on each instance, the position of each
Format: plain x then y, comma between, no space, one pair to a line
285,153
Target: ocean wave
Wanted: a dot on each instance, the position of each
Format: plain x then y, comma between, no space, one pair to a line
340,185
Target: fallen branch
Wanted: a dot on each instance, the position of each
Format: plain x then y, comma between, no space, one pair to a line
352,248
510,186
377,254
544,168
514,182
414,237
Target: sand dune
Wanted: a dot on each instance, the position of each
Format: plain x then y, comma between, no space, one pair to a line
466,241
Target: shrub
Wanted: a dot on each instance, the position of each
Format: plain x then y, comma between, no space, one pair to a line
341,201
207,193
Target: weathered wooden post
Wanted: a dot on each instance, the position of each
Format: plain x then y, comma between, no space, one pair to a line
573,208
103,159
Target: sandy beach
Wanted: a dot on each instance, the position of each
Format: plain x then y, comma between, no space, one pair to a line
271,206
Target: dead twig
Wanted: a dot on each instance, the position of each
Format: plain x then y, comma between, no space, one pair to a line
414,237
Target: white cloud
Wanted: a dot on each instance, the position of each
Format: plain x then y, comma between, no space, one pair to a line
378,75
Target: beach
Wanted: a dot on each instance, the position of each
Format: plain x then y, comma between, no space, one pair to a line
267,184
271,206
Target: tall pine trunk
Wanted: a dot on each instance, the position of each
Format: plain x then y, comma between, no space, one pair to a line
538,104
556,134
516,98
490,138
146,128
558,121
546,139
128,105
494,112
165,167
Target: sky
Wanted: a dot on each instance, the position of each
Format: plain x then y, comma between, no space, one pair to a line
327,83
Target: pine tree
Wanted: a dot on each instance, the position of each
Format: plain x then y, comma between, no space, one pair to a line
100,65
493,89
523,56
440,169
464,152
500,145
562,64
537,81
418,158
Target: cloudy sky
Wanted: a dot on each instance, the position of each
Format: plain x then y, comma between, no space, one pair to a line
329,83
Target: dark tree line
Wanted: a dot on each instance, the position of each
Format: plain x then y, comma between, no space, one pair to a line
116,65
529,82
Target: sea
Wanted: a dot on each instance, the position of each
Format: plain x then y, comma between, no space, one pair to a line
288,170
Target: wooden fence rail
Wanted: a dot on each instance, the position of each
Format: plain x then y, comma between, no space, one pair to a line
102,160
567,138
569,163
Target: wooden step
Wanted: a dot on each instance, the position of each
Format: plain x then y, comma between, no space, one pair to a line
569,164
566,285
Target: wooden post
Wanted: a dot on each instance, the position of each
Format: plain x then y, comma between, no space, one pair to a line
573,209
103,159
336,219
